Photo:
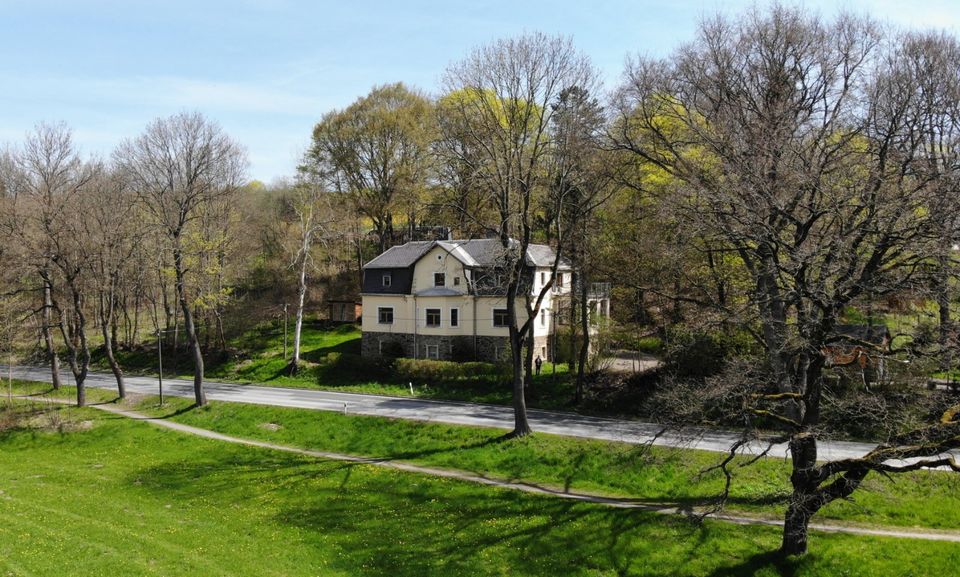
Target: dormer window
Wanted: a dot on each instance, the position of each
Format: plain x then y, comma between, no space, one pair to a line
439,279
387,279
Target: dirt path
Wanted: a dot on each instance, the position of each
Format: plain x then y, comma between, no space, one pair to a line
928,535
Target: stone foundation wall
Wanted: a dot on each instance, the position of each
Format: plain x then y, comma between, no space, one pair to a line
450,348
401,343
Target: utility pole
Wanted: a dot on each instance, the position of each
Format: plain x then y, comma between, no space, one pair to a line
284,331
10,375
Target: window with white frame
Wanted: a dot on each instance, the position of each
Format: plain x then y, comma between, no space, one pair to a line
454,317
387,279
501,318
433,317
385,315
543,317
433,351
543,278
559,279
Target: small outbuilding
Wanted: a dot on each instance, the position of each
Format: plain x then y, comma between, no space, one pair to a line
345,310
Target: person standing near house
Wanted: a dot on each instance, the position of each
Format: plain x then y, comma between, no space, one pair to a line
538,363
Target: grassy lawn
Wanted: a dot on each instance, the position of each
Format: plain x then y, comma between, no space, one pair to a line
650,474
112,496
654,474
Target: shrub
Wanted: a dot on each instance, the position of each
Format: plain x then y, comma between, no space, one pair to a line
650,345
345,367
436,372
700,354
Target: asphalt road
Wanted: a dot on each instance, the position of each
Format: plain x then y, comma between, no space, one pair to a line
558,423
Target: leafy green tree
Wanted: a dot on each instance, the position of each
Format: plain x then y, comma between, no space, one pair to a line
377,151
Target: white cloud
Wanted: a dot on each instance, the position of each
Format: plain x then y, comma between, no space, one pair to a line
168,92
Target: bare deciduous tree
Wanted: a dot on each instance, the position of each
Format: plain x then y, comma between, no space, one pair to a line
48,178
114,233
178,167
497,123
315,216
798,145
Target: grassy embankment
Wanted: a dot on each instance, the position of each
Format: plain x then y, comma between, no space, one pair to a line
332,361
104,495
648,474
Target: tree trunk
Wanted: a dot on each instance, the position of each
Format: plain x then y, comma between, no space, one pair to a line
200,396
520,425
81,331
114,329
803,500
298,325
169,311
585,343
135,333
175,335
528,358
76,340
108,316
574,307
795,529
943,305
48,338
72,359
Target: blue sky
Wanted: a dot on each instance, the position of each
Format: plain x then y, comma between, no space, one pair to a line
266,70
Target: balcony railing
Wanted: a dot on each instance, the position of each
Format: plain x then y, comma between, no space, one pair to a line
599,290
596,290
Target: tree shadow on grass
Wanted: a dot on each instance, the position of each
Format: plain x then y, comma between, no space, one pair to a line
421,453
317,355
178,412
762,563
399,524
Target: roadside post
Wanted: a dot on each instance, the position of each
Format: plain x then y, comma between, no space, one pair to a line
160,362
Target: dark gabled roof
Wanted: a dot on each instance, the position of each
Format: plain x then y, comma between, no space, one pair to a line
872,334
543,255
401,256
484,252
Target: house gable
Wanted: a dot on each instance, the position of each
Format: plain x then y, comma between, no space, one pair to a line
439,273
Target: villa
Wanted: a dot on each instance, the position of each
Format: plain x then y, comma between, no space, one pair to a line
446,300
